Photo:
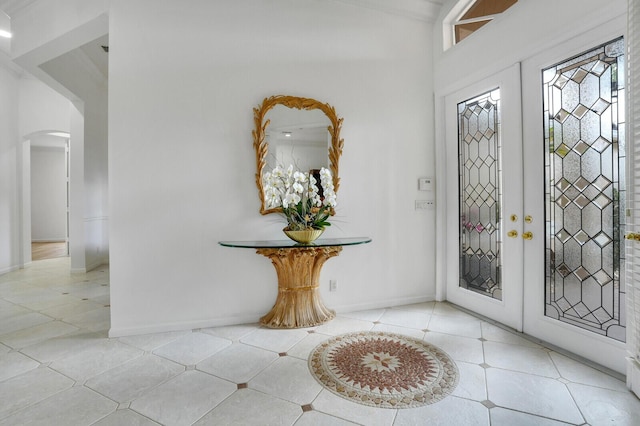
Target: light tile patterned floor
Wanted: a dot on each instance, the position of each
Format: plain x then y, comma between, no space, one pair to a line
57,367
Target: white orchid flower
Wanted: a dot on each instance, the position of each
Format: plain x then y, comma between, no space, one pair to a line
298,188
290,199
297,192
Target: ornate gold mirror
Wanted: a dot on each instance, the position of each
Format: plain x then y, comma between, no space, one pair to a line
298,131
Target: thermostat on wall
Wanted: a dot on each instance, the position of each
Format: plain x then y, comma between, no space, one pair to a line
425,184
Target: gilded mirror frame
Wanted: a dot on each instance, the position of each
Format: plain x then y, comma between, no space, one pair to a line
262,147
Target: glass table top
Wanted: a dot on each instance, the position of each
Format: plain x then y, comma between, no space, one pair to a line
322,242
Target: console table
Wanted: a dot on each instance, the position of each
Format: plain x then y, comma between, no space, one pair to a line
298,268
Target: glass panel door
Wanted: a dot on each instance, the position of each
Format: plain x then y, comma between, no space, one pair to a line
484,260
574,188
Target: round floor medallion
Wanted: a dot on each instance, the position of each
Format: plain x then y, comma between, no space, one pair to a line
382,369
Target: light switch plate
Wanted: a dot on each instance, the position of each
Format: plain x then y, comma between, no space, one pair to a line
425,204
425,184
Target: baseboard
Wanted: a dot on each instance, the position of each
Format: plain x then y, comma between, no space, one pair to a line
388,303
252,319
48,240
185,325
9,269
96,264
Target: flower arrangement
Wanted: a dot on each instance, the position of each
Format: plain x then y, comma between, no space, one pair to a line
304,204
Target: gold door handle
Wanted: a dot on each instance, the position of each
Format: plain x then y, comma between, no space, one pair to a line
633,236
513,233
527,235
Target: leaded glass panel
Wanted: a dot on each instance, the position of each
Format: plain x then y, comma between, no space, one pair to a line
480,192
584,189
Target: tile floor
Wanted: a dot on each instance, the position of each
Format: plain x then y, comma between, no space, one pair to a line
57,367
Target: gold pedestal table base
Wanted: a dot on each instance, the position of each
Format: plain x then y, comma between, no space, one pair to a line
299,303
298,267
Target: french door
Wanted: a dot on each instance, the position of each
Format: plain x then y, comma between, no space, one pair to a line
535,190
484,202
574,145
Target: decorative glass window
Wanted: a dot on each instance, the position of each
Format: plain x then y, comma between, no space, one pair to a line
480,191
585,193
478,14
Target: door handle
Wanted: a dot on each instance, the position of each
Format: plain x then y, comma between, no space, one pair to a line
513,233
632,236
527,235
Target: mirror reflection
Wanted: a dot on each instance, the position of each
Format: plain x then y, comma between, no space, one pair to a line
297,137
298,131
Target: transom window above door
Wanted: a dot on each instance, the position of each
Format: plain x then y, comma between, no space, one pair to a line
476,14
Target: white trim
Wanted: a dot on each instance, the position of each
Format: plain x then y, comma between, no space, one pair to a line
249,318
448,31
7,62
632,253
441,204
353,307
184,325
50,132
478,19
96,264
9,269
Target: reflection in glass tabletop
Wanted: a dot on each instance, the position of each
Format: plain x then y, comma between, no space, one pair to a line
323,242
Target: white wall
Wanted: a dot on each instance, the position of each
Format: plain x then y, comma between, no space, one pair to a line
41,108
10,229
182,85
96,195
48,194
